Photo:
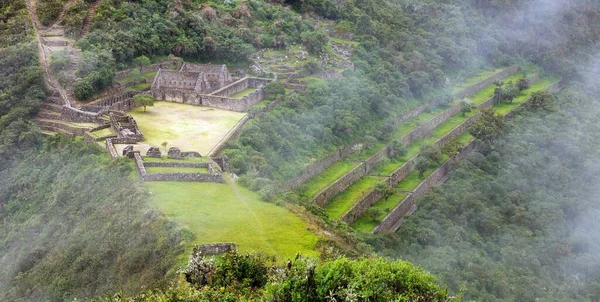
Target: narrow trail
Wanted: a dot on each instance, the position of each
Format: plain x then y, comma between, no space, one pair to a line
61,16
87,22
44,53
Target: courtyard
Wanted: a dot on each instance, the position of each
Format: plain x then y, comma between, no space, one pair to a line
190,128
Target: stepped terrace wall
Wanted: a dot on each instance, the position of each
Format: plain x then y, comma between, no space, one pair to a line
486,82
393,220
323,197
418,132
318,166
403,171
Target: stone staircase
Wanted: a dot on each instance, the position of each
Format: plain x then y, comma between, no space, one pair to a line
87,22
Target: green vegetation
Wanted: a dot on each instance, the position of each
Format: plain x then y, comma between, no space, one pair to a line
243,93
103,133
144,76
139,87
68,213
190,128
228,213
326,177
251,277
471,80
531,207
385,206
344,201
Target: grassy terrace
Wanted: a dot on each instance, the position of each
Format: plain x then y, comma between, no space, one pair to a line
330,174
366,224
486,93
475,79
242,93
146,75
344,201
139,87
229,213
413,180
175,170
337,170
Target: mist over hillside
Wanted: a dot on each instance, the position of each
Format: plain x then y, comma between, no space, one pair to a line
345,81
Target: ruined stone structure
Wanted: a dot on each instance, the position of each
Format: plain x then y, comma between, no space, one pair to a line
125,126
206,85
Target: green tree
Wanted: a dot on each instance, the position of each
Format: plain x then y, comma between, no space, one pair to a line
374,214
143,100
384,189
511,92
314,41
422,165
488,127
540,99
430,152
274,89
141,62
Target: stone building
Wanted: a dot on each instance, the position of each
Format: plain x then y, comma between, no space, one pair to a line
206,85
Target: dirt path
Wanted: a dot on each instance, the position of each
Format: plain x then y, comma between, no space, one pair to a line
87,23
45,52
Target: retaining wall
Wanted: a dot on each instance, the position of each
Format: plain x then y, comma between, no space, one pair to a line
486,82
231,135
177,176
393,221
317,167
176,164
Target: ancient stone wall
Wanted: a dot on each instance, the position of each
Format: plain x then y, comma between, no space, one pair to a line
177,164
341,184
185,177
359,208
486,82
213,249
393,220
231,135
232,88
76,115
54,42
317,167
323,197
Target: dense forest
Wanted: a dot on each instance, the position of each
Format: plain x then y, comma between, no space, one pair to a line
518,221
409,52
72,224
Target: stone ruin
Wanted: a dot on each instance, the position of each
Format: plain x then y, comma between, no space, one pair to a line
174,153
128,151
153,152
207,85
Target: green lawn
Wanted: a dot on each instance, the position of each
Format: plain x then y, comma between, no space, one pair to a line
242,93
190,128
102,133
475,79
345,200
139,87
488,92
229,213
504,107
367,224
146,75
326,177
175,170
